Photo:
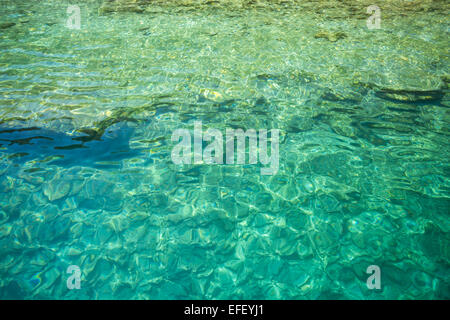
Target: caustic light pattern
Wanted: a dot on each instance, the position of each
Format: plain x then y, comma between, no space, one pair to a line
93,207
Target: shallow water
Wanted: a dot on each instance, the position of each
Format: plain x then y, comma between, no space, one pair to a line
86,176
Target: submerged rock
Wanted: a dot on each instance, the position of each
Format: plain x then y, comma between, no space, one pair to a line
7,25
334,9
56,189
110,6
330,36
410,95
410,90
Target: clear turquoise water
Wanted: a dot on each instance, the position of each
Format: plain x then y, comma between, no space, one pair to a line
86,178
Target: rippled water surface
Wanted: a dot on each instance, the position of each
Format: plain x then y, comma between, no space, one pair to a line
86,176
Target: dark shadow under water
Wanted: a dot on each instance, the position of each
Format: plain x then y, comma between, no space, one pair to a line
62,148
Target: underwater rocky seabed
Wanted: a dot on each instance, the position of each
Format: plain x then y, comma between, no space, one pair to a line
86,178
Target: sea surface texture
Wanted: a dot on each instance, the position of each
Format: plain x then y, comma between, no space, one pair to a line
87,179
